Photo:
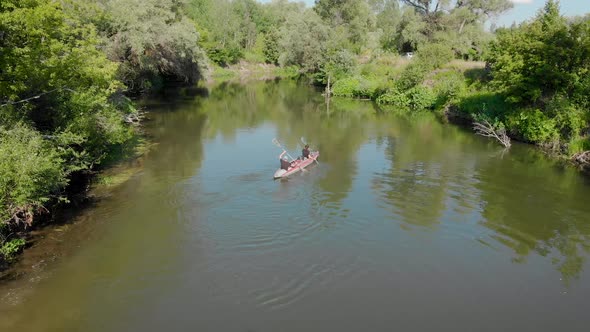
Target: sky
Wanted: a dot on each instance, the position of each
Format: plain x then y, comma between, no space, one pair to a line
525,9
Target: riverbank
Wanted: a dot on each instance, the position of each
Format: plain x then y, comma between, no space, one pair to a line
245,71
399,196
458,92
82,189
122,162
461,92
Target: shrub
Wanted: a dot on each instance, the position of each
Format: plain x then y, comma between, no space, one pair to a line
31,171
577,145
569,119
346,87
271,47
493,103
420,98
448,87
288,71
358,86
532,126
413,75
225,56
394,97
415,99
10,248
434,55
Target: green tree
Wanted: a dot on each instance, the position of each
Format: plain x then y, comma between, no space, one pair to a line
154,41
60,105
271,47
303,41
541,58
354,17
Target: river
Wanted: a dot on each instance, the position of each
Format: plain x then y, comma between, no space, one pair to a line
405,224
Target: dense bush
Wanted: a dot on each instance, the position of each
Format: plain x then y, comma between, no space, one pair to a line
357,86
31,172
577,145
415,99
412,75
570,120
542,57
224,56
532,126
62,110
489,102
449,87
434,56
10,248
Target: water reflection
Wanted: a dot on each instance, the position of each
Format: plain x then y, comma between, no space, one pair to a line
436,173
527,206
531,209
401,212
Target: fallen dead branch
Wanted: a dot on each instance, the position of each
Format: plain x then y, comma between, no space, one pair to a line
134,118
582,158
485,128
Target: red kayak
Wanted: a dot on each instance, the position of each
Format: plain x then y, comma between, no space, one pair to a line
296,165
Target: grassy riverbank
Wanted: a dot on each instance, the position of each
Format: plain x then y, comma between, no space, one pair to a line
68,70
463,92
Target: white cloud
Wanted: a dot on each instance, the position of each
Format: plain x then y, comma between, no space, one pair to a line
522,1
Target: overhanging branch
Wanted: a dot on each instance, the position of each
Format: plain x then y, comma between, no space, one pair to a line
7,103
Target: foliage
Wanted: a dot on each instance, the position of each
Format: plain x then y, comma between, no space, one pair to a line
31,172
578,145
337,64
434,56
570,120
271,47
304,41
416,98
449,86
9,249
473,102
532,126
413,75
288,72
358,87
541,58
224,56
152,40
61,108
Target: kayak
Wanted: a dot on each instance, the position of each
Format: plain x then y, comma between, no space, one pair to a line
296,165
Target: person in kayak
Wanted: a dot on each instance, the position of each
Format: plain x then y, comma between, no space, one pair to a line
284,161
305,152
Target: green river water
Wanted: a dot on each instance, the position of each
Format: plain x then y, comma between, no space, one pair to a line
405,224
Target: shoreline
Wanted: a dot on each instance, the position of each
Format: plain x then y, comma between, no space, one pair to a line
102,182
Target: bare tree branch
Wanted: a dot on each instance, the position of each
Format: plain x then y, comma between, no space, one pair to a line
582,158
485,128
420,5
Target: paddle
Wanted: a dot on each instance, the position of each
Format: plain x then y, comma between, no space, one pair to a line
305,143
276,142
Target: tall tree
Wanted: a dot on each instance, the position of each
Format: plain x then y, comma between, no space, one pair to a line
153,39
